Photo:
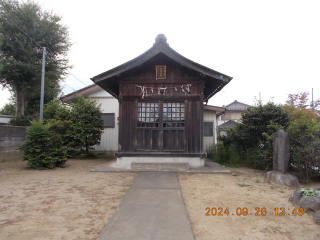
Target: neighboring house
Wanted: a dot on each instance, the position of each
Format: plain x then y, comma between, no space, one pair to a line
4,119
232,112
210,114
162,117
230,116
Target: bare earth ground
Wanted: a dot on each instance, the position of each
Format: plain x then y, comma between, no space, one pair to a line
201,191
63,203
74,203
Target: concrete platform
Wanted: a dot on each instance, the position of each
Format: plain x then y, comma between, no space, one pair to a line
210,167
160,166
153,208
193,161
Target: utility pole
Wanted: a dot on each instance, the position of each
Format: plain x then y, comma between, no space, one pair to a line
260,97
312,100
42,83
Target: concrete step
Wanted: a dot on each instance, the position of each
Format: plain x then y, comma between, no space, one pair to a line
160,166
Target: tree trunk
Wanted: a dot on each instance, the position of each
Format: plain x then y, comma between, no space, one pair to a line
20,102
87,147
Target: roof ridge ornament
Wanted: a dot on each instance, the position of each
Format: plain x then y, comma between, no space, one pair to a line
161,38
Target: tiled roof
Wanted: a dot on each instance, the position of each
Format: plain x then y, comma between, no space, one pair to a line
229,124
237,106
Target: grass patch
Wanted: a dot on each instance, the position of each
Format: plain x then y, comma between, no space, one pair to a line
243,184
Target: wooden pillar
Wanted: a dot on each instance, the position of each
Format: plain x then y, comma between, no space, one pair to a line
120,118
201,118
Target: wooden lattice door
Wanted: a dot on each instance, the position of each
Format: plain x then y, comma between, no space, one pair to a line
160,126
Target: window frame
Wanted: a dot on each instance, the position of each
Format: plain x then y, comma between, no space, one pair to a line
114,122
212,129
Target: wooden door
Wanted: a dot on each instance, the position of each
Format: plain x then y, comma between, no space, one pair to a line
160,126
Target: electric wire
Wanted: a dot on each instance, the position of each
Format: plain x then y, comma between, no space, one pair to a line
22,30
41,47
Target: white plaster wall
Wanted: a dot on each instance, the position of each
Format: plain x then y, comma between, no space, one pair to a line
210,116
99,93
4,119
109,138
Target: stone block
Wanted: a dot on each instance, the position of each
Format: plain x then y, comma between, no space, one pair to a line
283,179
281,151
295,197
309,203
316,217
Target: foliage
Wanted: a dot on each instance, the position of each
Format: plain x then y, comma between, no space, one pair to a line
250,142
87,123
273,185
32,100
21,121
309,192
8,109
298,107
257,120
43,148
243,184
21,55
78,123
304,138
300,101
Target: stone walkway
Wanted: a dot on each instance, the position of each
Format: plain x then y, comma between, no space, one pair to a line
152,209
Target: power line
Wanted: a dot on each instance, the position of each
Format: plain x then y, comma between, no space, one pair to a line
70,87
41,47
22,30
77,78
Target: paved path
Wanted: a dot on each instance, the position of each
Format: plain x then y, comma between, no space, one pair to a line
152,209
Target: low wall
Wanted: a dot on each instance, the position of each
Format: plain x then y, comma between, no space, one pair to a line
10,138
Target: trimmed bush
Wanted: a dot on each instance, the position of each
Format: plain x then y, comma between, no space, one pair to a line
43,148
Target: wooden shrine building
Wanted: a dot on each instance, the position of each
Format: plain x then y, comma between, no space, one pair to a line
161,96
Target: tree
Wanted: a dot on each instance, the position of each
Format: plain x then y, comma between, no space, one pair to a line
87,123
299,107
8,109
26,28
258,120
43,147
78,123
253,136
304,138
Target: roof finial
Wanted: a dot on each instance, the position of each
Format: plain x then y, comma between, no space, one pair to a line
161,38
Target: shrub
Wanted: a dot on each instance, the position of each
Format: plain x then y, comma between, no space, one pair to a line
21,120
250,142
304,138
79,123
43,148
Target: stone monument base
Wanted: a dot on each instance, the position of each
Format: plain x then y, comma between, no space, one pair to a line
283,179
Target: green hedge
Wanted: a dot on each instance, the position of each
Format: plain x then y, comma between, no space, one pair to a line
43,148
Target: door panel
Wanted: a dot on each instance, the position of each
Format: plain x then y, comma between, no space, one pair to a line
160,126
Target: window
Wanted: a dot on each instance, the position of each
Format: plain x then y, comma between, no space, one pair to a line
227,116
148,114
208,129
108,120
173,115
